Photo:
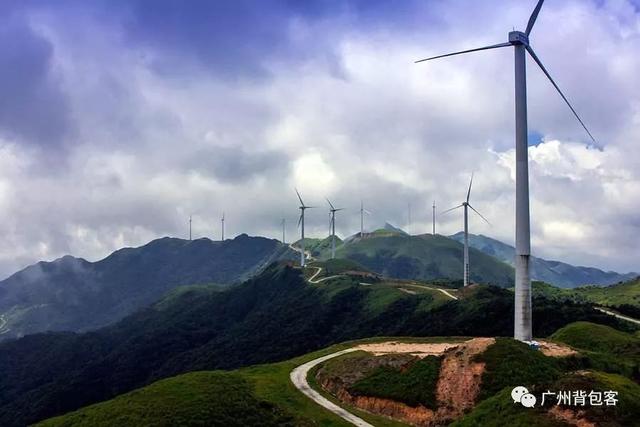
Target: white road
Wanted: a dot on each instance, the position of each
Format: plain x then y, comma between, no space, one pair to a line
447,294
299,379
619,316
313,280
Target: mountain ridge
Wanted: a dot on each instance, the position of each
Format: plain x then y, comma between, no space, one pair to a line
557,273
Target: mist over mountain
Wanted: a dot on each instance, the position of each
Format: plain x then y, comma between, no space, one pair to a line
555,272
77,295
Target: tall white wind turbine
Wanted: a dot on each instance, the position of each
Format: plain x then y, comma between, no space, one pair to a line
466,205
434,218
303,207
332,224
520,42
362,212
222,224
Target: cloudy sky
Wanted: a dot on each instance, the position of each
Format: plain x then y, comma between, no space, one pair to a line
118,119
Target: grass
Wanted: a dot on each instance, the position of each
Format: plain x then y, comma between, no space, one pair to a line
499,411
413,386
598,338
193,399
510,363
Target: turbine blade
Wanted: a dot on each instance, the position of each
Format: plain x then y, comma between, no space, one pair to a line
493,46
448,210
328,201
469,192
367,212
339,209
299,198
544,70
300,219
487,221
533,17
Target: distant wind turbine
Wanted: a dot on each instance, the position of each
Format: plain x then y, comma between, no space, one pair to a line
283,228
466,205
434,217
303,207
520,43
332,224
189,227
222,224
362,212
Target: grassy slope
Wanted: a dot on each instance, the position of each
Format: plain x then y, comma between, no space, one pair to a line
193,399
415,385
621,294
423,257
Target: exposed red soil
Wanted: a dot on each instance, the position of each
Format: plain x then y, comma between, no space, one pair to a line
456,390
571,417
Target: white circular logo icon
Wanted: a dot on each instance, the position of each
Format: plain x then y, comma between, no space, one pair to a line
528,400
517,393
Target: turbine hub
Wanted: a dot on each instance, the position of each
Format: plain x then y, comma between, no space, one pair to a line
518,37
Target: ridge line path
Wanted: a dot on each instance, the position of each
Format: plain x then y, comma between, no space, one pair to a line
619,316
312,278
299,379
433,289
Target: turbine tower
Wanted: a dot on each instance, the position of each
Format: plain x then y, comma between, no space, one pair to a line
362,212
520,42
222,223
466,205
434,218
189,227
332,227
283,228
303,207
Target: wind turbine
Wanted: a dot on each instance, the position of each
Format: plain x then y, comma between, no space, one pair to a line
222,223
332,226
283,222
520,42
303,207
189,227
434,217
466,205
362,212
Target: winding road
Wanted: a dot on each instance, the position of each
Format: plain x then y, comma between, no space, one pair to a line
299,379
619,316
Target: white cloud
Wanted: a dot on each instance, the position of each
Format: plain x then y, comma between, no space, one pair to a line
382,129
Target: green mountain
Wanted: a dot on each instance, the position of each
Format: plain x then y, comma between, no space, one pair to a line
76,295
264,394
423,257
273,316
555,272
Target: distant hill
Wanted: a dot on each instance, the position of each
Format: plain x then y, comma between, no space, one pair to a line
555,272
273,316
423,257
76,295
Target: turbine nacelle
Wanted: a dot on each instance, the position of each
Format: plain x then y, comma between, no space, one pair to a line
518,37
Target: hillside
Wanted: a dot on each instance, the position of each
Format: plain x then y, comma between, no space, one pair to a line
398,383
423,257
555,272
274,316
623,297
76,295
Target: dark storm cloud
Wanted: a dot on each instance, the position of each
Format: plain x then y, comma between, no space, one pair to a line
33,108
